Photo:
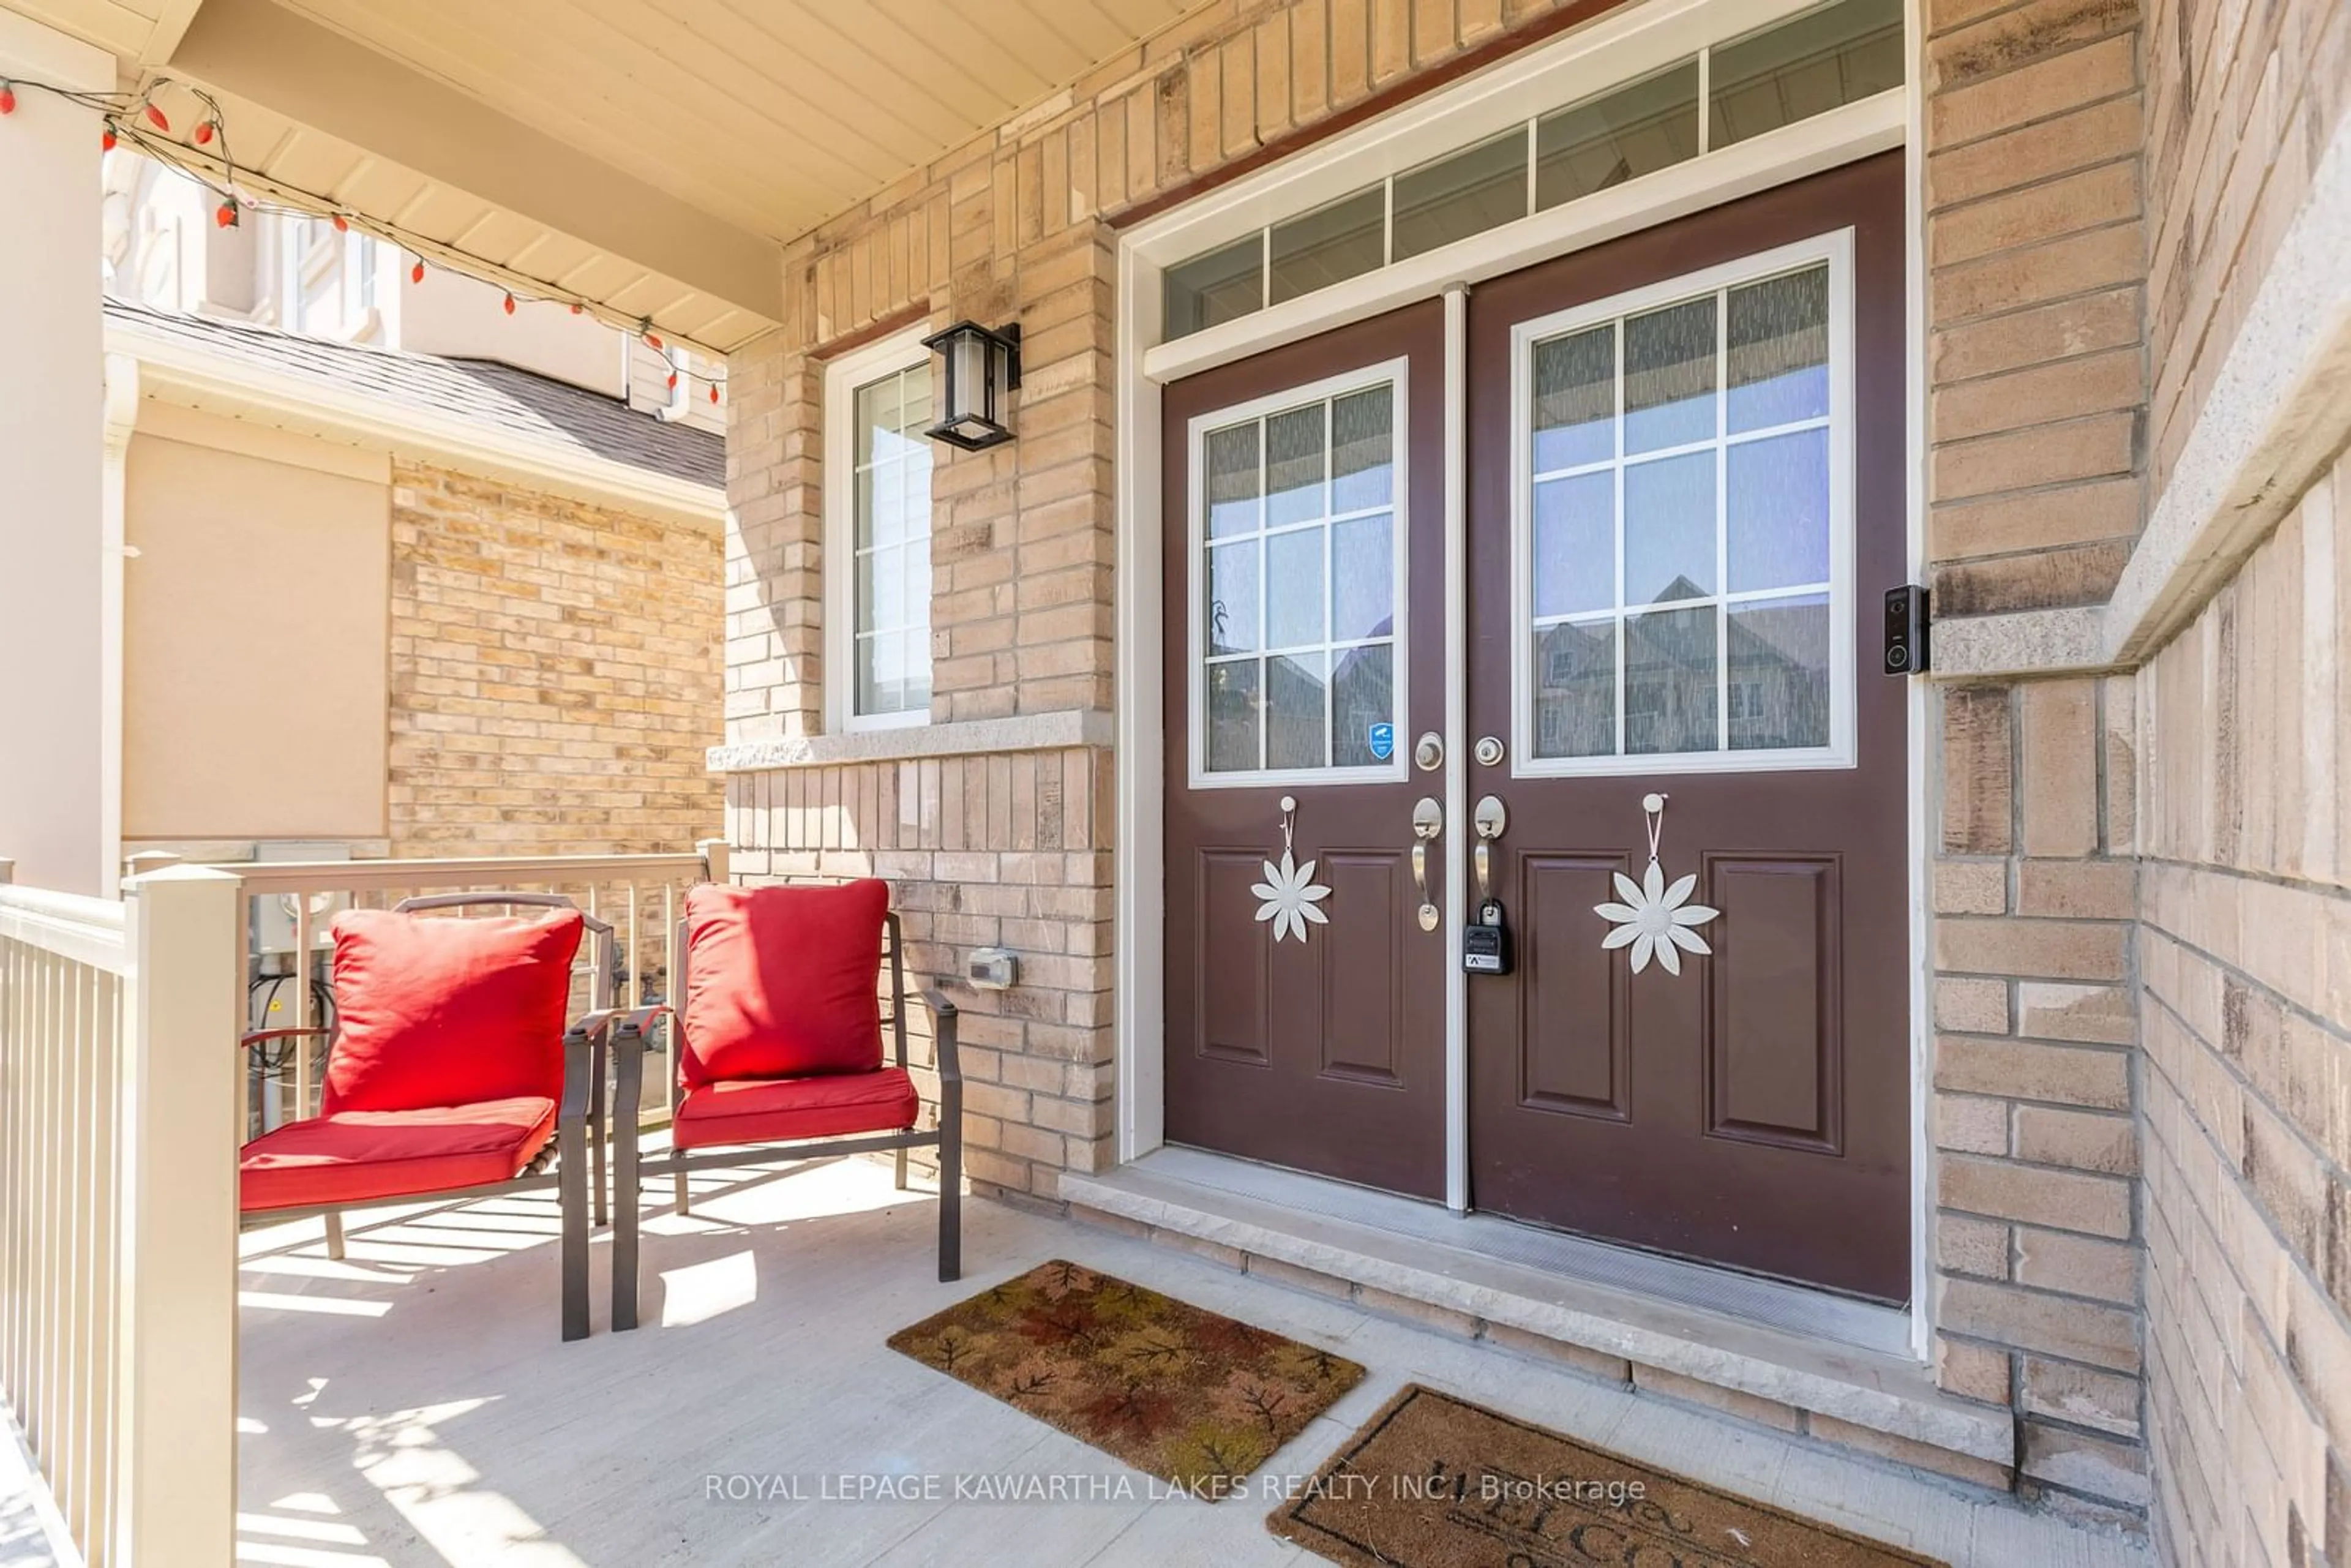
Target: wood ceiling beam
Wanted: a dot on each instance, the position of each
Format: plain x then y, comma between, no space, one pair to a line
269,56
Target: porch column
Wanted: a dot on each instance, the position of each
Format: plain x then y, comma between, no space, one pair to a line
54,631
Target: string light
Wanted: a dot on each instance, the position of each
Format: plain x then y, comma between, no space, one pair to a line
125,117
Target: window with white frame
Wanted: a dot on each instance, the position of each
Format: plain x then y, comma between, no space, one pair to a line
1298,584
878,537
1684,541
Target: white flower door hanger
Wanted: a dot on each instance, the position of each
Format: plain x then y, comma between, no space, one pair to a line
1655,920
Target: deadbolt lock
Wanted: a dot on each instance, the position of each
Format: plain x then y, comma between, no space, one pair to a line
1428,751
1487,751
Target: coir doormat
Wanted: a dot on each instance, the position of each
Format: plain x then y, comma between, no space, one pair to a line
1193,1398
1434,1482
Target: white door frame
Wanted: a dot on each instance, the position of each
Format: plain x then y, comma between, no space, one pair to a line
1620,46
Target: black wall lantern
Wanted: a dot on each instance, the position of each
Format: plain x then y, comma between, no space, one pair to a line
982,366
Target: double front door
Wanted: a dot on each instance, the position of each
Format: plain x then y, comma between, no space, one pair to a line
1682,463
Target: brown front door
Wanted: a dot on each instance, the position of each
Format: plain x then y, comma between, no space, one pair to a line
1304,636
1685,499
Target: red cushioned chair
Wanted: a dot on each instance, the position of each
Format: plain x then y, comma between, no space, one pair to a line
779,1052
450,1072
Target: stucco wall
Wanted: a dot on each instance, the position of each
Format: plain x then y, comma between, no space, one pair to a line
255,620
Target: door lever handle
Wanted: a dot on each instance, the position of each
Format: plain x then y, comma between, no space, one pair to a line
1428,821
1490,820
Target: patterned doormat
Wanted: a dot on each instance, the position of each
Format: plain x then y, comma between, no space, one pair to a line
1193,1398
1434,1482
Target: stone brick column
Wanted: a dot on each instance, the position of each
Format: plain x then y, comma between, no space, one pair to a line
2036,256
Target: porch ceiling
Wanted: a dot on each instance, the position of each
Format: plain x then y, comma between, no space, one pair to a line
648,154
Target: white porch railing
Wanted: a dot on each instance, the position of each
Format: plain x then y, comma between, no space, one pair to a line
118,1212
292,903
118,1023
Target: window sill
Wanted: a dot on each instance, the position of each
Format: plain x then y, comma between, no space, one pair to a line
1060,731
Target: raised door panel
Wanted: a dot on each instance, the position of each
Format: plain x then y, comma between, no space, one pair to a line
1575,1047
1232,999
1773,1017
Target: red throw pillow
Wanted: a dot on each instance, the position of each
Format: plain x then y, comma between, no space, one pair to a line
435,1011
781,981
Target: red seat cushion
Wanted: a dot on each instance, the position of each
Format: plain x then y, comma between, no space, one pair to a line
778,1110
781,981
352,1156
449,1012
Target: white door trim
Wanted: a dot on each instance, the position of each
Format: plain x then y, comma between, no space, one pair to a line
1144,362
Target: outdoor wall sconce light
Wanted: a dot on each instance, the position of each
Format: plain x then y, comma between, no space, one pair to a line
981,368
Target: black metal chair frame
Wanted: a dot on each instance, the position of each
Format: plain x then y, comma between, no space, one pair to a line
581,1119
630,1169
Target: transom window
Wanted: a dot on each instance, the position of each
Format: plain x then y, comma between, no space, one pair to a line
1683,546
1298,584
1788,71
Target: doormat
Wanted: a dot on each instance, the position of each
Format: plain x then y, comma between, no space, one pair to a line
1434,1482
1191,1397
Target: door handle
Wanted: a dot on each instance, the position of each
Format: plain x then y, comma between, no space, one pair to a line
1490,820
1428,821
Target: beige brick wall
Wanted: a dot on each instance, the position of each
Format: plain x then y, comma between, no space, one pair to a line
2035,243
555,674
2245,955
2240,100
1010,850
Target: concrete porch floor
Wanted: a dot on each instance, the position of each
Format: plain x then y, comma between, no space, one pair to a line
414,1404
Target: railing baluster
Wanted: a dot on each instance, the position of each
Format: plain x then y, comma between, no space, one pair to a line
302,1043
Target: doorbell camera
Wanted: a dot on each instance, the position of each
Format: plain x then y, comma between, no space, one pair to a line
1905,629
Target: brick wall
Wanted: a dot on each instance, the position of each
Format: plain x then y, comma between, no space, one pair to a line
554,673
2035,247
983,850
2246,962
2241,101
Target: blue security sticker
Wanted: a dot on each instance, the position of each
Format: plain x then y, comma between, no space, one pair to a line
1382,739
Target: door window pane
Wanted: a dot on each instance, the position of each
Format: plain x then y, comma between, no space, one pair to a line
1300,597
1669,376
1466,193
1778,342
1233,705
1294,591
1296,444
1804,65
1232,598
1777,510
1363,695
1363,578
1234,480
1778,673
1670,679
1621,135
1669,528
1679,555
891,570
1575,689
1296,707
1575,544
1363,465
1576,399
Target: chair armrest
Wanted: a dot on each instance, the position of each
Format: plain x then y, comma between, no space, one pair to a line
264,1036
944,1014
639,1019
592,1026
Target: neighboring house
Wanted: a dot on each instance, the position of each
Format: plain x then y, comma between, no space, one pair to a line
377,601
